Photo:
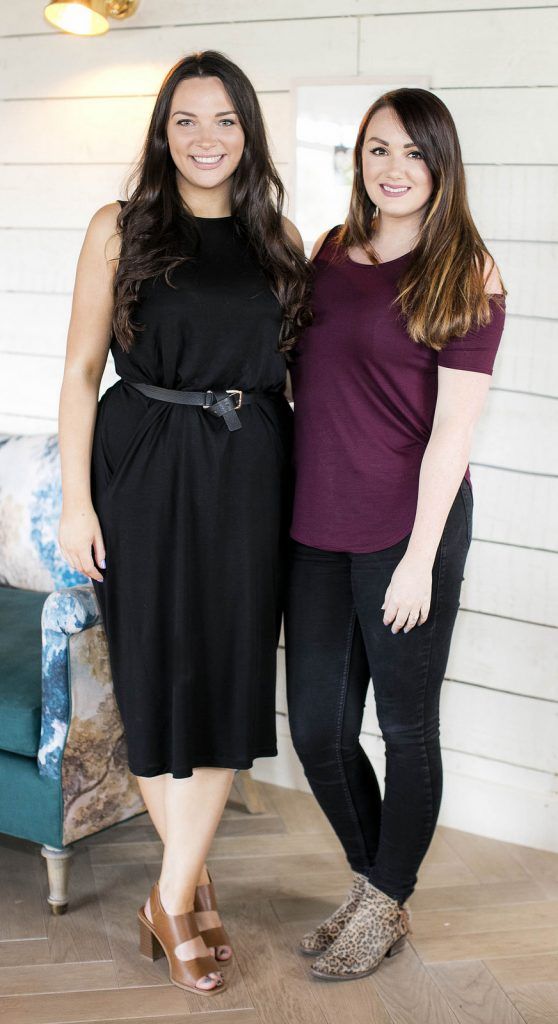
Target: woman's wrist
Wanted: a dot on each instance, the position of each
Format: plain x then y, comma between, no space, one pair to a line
420,555
77,505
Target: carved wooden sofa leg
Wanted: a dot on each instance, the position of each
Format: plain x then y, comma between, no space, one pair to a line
58,871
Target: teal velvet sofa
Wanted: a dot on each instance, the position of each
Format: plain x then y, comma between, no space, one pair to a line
63,755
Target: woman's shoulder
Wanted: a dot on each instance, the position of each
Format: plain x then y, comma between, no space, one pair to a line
292,233
491,276
322,240
105,216
102,231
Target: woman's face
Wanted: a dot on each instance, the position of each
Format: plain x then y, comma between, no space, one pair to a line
204,134
394,171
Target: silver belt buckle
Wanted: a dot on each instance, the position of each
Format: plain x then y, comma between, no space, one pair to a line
235,391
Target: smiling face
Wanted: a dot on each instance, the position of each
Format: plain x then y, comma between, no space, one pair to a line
394,171
205,137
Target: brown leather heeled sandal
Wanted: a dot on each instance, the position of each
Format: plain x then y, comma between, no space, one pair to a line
205,899
162,936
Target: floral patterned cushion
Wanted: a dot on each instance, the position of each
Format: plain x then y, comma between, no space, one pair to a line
30,506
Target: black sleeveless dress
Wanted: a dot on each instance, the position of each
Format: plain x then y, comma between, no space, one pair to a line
195,517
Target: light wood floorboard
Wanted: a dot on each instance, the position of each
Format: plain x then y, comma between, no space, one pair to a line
483,950
474,994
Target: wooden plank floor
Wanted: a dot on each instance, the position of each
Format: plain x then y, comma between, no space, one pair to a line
484,948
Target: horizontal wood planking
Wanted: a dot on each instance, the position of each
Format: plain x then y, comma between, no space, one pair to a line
508,202
529,269
39,261
513,582
27,18
493,138
512,508
504,654
515,431
504,44
34,325
528,356
135,63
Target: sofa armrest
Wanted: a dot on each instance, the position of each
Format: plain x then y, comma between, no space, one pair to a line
66,612
82,743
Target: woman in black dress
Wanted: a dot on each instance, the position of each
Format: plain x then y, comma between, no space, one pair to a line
198,285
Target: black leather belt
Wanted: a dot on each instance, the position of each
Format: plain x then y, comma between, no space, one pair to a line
217,401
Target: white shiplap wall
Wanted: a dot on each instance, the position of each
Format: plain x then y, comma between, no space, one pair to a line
73,115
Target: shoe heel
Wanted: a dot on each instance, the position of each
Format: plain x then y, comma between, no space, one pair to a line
149,944
397,946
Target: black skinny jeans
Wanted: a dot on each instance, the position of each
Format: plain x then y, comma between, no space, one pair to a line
335,641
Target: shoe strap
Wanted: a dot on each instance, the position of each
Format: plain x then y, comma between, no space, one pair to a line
205,898
174,928
215,936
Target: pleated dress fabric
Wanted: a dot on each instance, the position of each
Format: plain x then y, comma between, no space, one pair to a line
195,517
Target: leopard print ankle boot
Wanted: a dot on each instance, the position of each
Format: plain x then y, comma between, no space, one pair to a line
377,929
328,931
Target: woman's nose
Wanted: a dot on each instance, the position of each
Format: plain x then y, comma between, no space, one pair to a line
206,137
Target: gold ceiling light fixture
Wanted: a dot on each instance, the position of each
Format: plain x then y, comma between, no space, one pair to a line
87,17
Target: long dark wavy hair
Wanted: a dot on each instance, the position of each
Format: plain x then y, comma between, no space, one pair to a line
158,231
442,293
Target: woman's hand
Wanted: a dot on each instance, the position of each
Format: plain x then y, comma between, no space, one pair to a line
407,600
79,531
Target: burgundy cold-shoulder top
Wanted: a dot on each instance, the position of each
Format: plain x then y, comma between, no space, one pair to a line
365,396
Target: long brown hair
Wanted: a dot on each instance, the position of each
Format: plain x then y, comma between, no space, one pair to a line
159,232
442,293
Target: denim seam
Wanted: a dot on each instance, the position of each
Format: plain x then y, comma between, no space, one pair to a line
341,711
468,513
430,647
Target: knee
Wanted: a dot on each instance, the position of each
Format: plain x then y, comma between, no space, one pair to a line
408,736
318,742
311,739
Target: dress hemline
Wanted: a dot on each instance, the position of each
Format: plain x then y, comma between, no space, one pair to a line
209,762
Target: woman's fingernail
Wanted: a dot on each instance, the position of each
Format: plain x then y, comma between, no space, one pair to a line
103,564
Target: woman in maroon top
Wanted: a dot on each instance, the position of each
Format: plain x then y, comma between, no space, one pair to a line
389,382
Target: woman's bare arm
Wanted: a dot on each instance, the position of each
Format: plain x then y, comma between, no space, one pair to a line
460,400
86,355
